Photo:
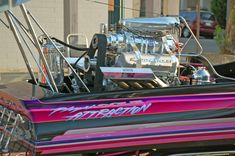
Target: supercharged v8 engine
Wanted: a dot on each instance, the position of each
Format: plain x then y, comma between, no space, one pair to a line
140,53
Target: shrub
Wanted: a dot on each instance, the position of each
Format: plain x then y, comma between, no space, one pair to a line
219,7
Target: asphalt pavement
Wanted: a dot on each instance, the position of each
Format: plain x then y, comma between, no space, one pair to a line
13,77
208,45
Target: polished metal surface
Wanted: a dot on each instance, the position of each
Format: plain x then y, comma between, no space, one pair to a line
158,63
147,43
151,24
83,64
203,76
55,63
127,73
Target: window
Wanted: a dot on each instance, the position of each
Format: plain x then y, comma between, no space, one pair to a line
207,16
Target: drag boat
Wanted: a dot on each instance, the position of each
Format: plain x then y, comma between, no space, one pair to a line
134,90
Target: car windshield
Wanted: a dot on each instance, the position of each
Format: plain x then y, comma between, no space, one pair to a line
207,16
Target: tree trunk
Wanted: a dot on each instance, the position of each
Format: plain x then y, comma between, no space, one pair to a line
230,29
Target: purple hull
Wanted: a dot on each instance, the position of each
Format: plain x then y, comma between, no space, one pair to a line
105,124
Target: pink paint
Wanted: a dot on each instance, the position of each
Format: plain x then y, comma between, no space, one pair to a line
145,130
156,107
136,142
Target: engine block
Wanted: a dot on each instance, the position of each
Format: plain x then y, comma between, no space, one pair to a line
145,43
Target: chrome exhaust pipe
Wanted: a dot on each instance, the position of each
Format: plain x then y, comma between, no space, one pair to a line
136,85
123,85
148,85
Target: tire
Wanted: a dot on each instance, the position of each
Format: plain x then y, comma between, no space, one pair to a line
185,32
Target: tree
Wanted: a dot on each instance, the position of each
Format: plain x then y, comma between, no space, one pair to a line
230,28
219,7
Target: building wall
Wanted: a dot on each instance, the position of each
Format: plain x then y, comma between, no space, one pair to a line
49,13
136,7
171,7
155,8
149,8
191,4
128,12
205,4
90,16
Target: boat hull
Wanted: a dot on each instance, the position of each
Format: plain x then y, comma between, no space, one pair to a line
166,118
